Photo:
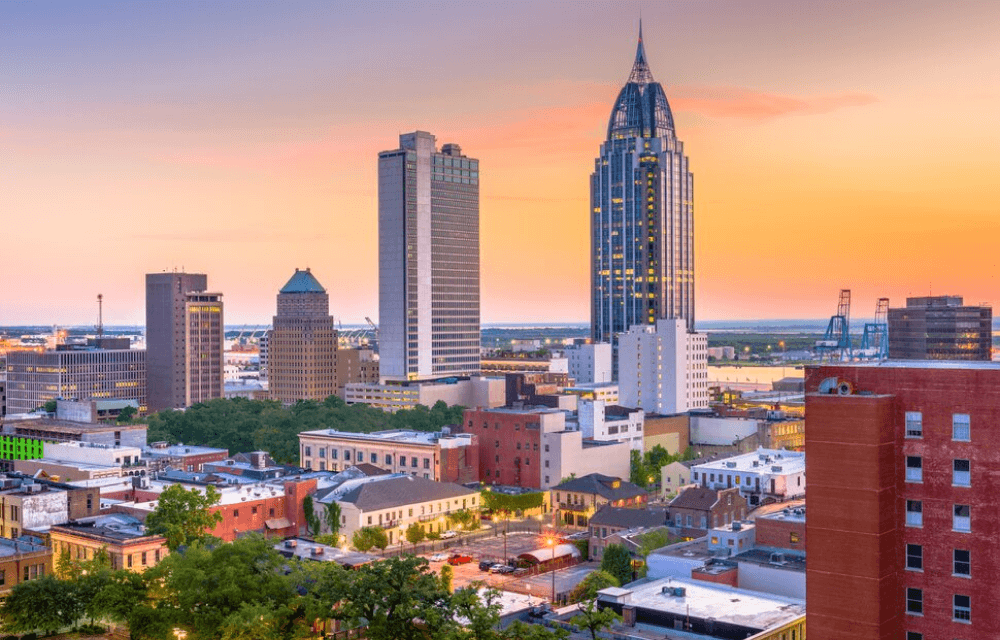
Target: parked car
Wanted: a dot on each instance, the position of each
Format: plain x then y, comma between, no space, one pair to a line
521,571
459,559
439,557
449,534
486,565
502,569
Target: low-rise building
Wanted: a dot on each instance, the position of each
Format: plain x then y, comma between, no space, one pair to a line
676,476
441,455
539,389
608,525
766,475
21,560
305,549
31,507
706,610
393,395
606,391
122,537
394,503
611,423
160,455
590,362
498,365
672,432
697,509
577,499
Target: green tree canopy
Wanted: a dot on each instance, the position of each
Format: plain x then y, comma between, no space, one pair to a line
594,582
414,534
183,516
594,619
505,504
331,517
46,604
367,538
618,562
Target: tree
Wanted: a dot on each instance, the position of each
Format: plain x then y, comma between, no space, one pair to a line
46,604
366,538
594,582
312,520
653,540
49,406
183,516
593,618
126,414
401,599
464,518
447,577
331,515
638,473
414,534
120,596
502,503
618,562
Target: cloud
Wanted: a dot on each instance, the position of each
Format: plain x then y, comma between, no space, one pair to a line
750,104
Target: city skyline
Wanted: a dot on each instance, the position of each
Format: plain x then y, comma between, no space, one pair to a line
835,146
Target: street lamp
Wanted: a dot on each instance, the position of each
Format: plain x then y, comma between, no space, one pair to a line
552,543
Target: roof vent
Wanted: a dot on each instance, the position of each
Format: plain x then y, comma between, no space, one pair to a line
291,544
317,551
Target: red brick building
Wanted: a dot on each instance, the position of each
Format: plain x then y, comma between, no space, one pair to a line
697,509
784,529
510,443
902,500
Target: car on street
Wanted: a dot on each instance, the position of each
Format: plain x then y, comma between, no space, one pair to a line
459,559
486,565
502,569
439,557
449,534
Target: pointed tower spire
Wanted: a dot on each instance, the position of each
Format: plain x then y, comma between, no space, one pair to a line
640,68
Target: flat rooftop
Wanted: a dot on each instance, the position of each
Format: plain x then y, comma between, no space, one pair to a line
693,550
181,450
395,435
309,550
773,558
788,514
706,600
769,461
917,364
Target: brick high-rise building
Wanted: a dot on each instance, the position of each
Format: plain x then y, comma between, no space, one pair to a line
302,347
940,328
185,337
903,518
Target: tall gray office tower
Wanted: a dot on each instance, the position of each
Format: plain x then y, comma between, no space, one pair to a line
642,229
428,230
184,341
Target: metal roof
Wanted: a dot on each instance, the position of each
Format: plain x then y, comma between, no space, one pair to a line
303,282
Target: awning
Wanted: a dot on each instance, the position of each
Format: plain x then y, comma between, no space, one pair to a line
548,554
278,523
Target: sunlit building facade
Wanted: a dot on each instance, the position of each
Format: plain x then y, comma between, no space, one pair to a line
642,205
428,219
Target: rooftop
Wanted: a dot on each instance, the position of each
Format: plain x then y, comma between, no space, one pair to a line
917,364
768,461
701,498
402,436
608,487
628,518
24,544
303,282
792,514
163,449
116,526
704,600
401,491
309,550
774,558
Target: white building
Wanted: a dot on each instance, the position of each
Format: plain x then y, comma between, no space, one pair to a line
590,363
390,396
780,474
663,368
722,353
611,423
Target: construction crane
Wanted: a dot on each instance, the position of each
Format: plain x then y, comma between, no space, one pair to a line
837,338
373,326
875,340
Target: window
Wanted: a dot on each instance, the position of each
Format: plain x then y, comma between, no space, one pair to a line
308,451
961,474
236,513
914,601
793,537
374,458
347,454
913,635
914,469
129,561
270,512
914,513
962,520
915,557
678,520
962,562
689,520
333,454
144,558
427,463
322,452
963,608
914,424
960,427
253,511
546,448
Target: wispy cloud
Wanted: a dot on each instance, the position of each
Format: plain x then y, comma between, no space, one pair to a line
750,104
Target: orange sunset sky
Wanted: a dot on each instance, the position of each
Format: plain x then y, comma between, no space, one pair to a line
833,144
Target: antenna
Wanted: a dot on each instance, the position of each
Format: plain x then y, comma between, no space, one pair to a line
100,315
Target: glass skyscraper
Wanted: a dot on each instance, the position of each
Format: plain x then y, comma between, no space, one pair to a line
428,214
642,204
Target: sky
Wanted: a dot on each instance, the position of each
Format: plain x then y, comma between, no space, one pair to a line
833,145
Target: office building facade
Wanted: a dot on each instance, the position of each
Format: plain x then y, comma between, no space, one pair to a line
663,368
104,369
302,347
902,522
185,338
940,328
428,260
642,214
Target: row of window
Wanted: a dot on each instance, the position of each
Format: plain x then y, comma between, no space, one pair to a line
961,516
961,609
960,431
961,474
414,460
961,563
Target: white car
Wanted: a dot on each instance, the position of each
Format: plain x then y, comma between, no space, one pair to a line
439,557
449,534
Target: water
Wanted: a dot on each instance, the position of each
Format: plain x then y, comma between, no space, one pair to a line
750,378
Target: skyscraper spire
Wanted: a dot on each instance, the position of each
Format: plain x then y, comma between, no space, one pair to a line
640,69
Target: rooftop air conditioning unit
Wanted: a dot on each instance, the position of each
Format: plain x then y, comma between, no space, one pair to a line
291,544
317,551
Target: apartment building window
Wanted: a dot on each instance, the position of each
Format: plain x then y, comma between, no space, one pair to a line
322,453
962,520
270,512
678,520
497,445
914,601
915,557
914,469
914,513
962,610
546,464
961,475
914,424
427,463
333,454
961,563
388,459
308,450
546,448
960,427
374,458
347,454
913,635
